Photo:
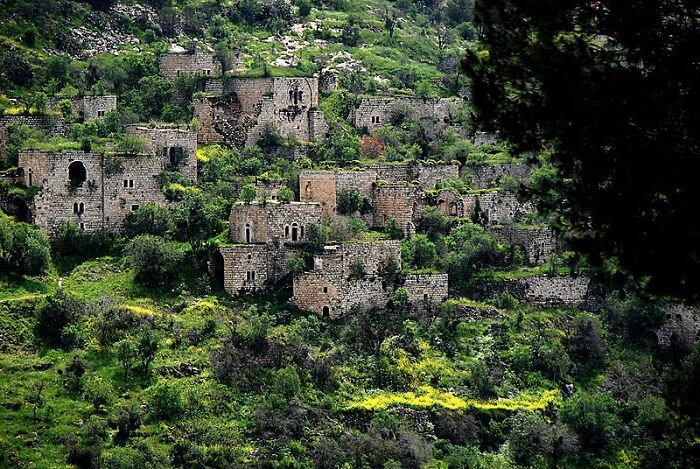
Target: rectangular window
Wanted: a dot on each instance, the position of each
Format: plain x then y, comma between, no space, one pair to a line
325,289
100,113
134,207
82,227
131,183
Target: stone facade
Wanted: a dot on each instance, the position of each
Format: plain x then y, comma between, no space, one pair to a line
273,222
496,207
487,176
426,291
255,268
400,202
682,327
335,287
176,63
538,243
238,117
324,186
373,112
540,290
52,125
87,108
175,145
93,190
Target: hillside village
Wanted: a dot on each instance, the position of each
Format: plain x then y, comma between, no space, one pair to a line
262,234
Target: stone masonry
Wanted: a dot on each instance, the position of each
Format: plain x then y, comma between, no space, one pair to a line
87,108
540,290
496,207
239,115
486,176
273,222
373,111
189,62
52,125
93,190
176,146
538,243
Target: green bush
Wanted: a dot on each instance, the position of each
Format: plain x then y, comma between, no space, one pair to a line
166,401
149,219
23,248
155,260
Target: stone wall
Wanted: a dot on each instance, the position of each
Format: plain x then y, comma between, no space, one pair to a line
538,243
682,327
496,207
273,222
373,112
427,292
238,117
487,175
174,64
175,145
88,108
114,186
332,289
540,290
52,125
400,202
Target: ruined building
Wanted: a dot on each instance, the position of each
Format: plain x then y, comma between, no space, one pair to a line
95,190
238,114
194,60
86,108
263,238
373,112
391,191
349,275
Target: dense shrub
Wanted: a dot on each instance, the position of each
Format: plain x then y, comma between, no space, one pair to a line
54,319
166,400
23,248
155,260
149,219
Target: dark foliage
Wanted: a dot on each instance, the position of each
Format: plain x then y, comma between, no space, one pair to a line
611,90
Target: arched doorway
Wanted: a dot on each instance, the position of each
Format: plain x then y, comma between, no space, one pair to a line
295,232
77,174
30,174
326,312
248,233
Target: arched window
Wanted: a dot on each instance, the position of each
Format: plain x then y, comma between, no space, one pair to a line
248,234
30,174
81,208
75,208
302,231
301,93
291,95
77,174
295,232
326,312
286,231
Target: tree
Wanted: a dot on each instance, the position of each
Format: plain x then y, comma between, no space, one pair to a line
75,371
610,91
127,353
154,92
23,248
349,202
593,417
350,35
97,391
36,398
248,193
317,237
468,248
419,251
149,219
285,195
199,218
147,347
155,260
38,101
166,400
304,7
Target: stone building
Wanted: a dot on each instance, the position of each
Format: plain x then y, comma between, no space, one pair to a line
349,275
537,242
486,176
539,290
93,190
254,268
238,115
87,108
496,207
194,60
345,276
53,126
324,186
375,111
176,145
272,222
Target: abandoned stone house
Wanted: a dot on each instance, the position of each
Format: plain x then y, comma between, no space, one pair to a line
395,192
373,112
97,190
496,207
86,108
239,114
537,243
348,275
176,145
264,237
193,60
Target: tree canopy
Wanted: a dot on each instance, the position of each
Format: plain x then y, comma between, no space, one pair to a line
610,91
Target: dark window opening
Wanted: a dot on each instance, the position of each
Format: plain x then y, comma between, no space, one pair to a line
77,174
286,232
326,312
100,114
177,155
82,227
217,261
325,289
31,174
295,232
247,234
134,207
